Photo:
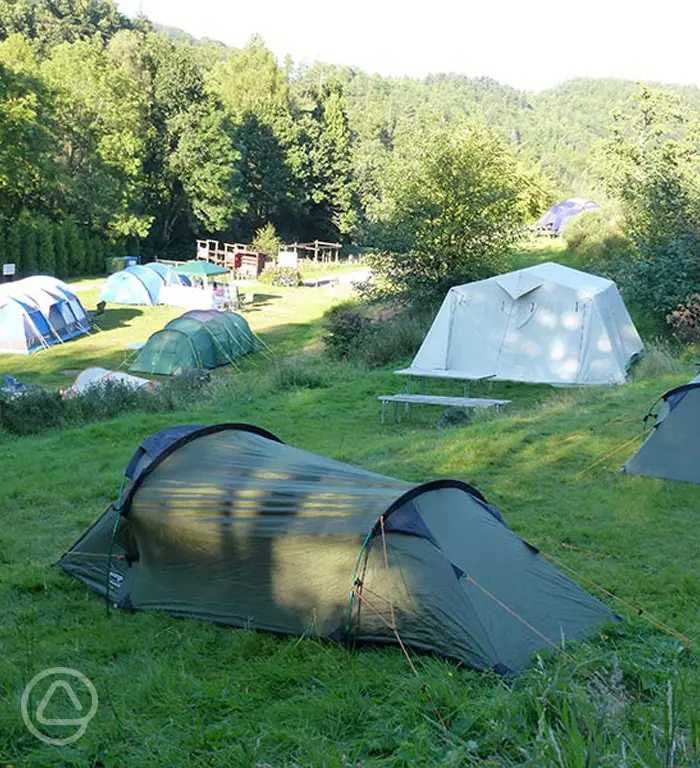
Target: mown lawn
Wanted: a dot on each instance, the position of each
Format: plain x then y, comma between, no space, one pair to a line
186,693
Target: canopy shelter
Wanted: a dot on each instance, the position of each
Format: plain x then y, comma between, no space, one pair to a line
228,524
199,268
672,449
561,213
198,339
133,285
38,312
545,324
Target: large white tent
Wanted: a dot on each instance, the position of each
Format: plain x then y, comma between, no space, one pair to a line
546,324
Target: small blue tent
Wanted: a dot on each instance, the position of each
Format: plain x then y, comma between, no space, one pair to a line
133,285
558,216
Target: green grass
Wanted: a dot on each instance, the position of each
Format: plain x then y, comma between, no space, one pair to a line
186,693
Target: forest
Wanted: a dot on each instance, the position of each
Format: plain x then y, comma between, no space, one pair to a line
118,135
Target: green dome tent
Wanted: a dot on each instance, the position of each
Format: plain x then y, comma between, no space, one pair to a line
672,449
228,524
197,339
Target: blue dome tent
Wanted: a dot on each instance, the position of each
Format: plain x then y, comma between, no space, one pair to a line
167,274
38,312
559,215
133,285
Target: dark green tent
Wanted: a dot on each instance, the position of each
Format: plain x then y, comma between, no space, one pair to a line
197,339
672,449
228,524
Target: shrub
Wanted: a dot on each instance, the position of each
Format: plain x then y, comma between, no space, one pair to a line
267,241
346,330
659,359
31,412
352,334
39,409
287,277
684,320
597,236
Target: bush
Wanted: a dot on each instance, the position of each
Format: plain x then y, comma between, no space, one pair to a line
346,330
286,277
267,241
597,236
659,359
685,320
352,334
39,409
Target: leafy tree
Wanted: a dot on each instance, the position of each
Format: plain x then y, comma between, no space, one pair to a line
59,249
13,248
58,21
29,247
451,211
75,249
652,160
27,145
101,126
46,258
267,240
204,162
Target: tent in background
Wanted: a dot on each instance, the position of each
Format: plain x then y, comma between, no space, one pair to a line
99,377
559,215
133,285
38,312
198,339
226,523
546,324
672,450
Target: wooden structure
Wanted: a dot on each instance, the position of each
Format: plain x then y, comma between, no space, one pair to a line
318,250
445,402
237,257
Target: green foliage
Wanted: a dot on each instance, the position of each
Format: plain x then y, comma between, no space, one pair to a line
685,319
652,168
599,241
267,241
46,256
60,250
29,246
40,409
373,337
282,276
452,211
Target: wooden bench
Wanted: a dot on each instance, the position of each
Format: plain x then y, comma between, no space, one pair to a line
445,402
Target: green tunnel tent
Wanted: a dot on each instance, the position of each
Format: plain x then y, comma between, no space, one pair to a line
672,449
228,524
197,339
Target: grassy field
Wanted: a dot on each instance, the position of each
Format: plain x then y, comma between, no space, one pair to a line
186,693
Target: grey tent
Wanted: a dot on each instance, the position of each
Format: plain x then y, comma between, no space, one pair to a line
228,524
672,450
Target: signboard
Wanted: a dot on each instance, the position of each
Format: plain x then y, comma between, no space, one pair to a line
8,270
288,259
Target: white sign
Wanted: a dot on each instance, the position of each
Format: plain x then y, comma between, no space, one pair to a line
288,259
8,270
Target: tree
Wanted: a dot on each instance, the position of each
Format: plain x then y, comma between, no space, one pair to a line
46,257
204,162
59,249
651,166
100,118
267,241
450,212
27,146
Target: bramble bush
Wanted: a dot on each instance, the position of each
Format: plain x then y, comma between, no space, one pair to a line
685,320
